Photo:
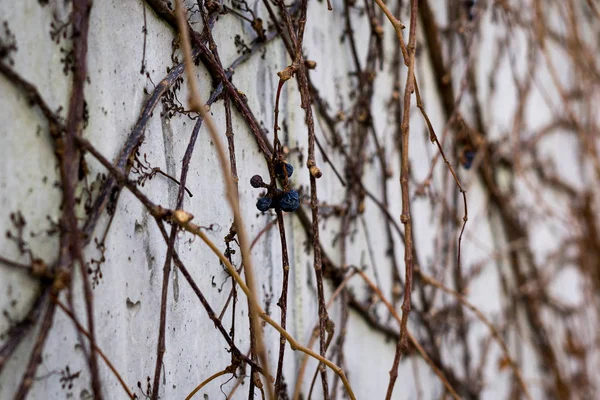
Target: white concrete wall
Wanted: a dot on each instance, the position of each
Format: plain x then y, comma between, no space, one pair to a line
127,298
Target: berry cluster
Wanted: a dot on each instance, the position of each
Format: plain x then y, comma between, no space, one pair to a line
276,198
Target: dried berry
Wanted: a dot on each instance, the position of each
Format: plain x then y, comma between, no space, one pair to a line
256,181
281,173
470,7
467,158
290,201
264,203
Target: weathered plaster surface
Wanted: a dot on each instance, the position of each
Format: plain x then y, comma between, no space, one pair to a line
128,296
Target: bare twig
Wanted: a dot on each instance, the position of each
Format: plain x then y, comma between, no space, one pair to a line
405,217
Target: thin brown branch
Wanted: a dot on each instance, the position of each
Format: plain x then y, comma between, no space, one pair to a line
412,339
405,218
81,329
495,334
183,219
232,196
230,369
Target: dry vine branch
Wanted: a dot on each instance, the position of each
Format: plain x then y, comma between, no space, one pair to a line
412,339
100,352
226,371
561,336
293,343
405,218
315,335
183,219
232,196
285,262
299,68
428,280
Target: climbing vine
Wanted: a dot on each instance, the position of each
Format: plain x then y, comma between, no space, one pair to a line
436,66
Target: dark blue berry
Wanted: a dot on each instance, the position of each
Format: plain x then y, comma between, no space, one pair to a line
290,201
470,4
256,181
469,156
264,203
281,173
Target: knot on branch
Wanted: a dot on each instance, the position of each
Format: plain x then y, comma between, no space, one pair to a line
314,170
62,280
310,64
330,326
39,269
287,73
182,217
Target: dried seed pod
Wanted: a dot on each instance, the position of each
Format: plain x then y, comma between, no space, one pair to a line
257,182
